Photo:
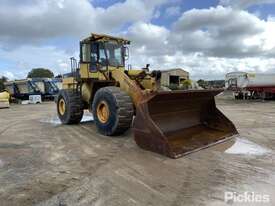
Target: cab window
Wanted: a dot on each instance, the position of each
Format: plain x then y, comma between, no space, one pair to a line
85,51
102,56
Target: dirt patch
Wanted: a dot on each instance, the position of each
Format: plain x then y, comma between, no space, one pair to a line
44,163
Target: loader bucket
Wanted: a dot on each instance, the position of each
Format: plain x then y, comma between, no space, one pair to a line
180,122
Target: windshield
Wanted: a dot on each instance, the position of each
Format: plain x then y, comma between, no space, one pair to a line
114,52
107,53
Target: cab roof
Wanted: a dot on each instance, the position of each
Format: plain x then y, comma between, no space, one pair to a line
104,37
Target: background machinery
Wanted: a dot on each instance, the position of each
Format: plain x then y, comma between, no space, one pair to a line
173,123
21,90
47,86
4,99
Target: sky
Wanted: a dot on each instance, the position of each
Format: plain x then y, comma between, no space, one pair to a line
207,38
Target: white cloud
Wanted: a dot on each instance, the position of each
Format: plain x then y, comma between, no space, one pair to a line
27,57
26,24
58,18
205,67
8,74
148,36
265,39
244,3
224,32
173,11
206,42
215,32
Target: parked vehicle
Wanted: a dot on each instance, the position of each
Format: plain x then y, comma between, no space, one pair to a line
22,89
47,87
251,85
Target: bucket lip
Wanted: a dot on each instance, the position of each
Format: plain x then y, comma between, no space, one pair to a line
184,93
226,138
154,94
192,91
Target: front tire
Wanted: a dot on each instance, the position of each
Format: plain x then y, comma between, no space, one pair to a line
112,110
69,107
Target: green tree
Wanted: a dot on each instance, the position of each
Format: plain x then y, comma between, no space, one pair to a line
40,73
2,81
202,83
186,84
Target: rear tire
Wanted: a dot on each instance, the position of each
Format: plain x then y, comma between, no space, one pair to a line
69,107
112,110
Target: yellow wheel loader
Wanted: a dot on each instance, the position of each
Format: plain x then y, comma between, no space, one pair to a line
172,123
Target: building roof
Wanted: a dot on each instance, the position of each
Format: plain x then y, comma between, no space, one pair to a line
175,69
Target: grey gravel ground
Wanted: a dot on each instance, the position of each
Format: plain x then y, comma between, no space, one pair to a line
45,163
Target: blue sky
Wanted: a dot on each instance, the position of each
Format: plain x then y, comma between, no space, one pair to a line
264,10
225,35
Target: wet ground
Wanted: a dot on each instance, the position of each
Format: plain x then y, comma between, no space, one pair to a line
45,163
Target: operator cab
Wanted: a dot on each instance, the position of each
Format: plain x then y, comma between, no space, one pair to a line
102,52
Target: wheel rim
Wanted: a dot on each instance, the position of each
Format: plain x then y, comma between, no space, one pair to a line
103,112
62,106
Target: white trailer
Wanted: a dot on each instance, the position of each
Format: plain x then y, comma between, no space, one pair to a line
251,85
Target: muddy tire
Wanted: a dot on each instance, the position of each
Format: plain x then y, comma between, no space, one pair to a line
112,110
69,107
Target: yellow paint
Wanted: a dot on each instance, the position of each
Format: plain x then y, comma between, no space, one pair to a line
68,83
86,91
4,99
129,86
149,83
251,75
135,72
103,112
62,106
84,71
4,95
